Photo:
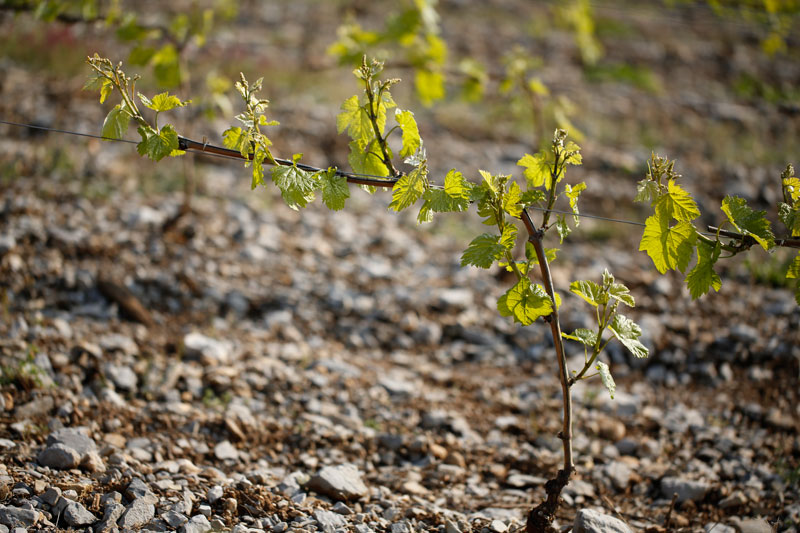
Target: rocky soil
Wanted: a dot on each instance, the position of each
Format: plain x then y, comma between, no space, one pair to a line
251,368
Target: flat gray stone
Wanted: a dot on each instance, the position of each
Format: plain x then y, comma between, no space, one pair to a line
123,377
751,525
329,521
76,438
76,515
59,456
113,510
619,474
339,482
687,490
205,348
226,451
15,517
137,514
198,524
174,519
588,521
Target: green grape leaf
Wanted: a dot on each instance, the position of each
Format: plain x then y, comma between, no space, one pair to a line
677,203
668,247
511,200
747,221
621,293
297,186
141,55
605,377
791,184
157,144
589,291
790,218
562,227
509,237
584,336
355,120
411,138
531,197
647,191
572,154
106,88
483,251
797,293
537,170
628,332
334,189
366,162
454,197
258,168
702,277
116,123
794,268
163,102
429,85
236,138
409,188
525,302
573,193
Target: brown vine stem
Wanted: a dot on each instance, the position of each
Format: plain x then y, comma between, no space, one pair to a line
541,517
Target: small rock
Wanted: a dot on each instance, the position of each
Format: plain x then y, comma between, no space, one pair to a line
214,494
59,456
451,527
92,462
198,524
113,510
51,496
226,451
523,480
751,525
619,473
137,514
498,527
139,490
76,515
329,521
76,438
174,519
14,516
735,499
339,482
588,521
208,350
123,377
687,490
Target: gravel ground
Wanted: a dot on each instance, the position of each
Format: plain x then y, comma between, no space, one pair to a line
251,368
276,378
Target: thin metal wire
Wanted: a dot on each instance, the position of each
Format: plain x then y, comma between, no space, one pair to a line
314,169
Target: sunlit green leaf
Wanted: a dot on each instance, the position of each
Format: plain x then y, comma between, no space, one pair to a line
483,251
411,139
605,377
677,203
590,291
748,222
585,336
509,237
702,277
297,186
525,302
116,122
511,200
537,170
794,268
409,188
334,189
366,162
163,102
573,193
668,247
646,191
355,120
157,144
166,66
628,332
562,227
